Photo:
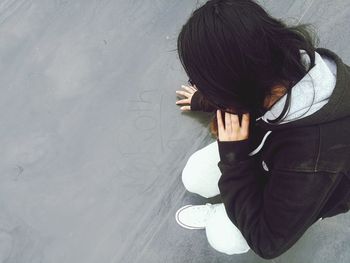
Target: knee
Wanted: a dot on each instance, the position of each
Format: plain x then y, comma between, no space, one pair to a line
192,177
189,174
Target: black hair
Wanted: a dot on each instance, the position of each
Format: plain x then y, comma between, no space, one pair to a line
235,52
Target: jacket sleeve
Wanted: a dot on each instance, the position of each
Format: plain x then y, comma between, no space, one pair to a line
200,103
273,215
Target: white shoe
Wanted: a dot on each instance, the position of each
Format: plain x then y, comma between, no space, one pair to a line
194,216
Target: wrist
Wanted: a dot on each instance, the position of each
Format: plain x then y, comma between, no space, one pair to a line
231,151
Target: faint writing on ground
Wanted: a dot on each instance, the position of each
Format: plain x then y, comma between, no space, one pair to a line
142,131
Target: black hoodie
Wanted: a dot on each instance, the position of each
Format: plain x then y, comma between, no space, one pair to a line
274,193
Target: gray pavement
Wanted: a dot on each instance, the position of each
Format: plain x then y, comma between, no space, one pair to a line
93,145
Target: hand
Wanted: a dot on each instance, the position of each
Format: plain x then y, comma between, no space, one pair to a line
191,90
233,131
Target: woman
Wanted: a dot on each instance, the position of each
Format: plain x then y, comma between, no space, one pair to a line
281,159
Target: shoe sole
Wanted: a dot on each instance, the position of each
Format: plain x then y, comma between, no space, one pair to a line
182,224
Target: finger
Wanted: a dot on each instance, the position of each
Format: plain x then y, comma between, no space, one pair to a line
194,87
185,108
184,101
245,124
184,93
245,121
220,123
227,121
235,120
189,88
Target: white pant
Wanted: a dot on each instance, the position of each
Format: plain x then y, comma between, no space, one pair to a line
200,176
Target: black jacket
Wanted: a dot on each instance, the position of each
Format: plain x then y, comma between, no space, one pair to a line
308,174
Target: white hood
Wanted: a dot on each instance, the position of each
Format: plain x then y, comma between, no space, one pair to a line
317,85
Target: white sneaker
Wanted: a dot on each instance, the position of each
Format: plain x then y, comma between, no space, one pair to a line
194,216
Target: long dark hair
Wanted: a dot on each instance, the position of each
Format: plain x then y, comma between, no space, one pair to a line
235,52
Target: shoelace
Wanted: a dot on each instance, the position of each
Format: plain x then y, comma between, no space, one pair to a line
211,208
208,212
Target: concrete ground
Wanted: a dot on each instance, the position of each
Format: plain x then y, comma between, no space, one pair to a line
93,145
